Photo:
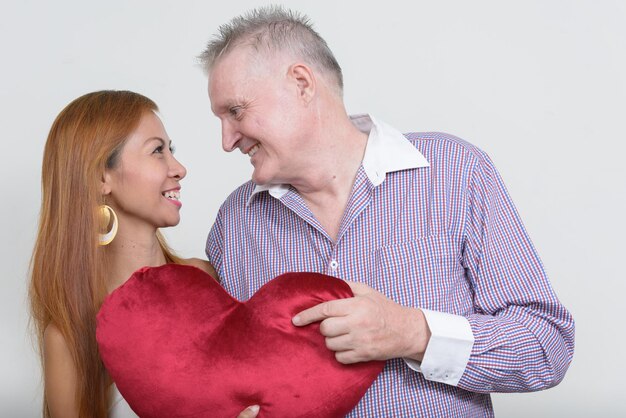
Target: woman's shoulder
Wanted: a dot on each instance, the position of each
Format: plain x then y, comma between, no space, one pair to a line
203,265
56,350
53,339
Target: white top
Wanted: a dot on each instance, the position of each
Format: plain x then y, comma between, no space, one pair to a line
119,407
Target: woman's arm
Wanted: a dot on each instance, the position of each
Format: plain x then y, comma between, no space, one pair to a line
59,375
60,378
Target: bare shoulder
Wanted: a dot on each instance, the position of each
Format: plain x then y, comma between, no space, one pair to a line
203,265
54,343
52,334
59,374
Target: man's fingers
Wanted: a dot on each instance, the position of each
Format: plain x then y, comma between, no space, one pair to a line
340,343
359,288
334,326
320,312
347,357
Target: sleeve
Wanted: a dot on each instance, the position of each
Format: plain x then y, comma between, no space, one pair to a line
215,243
448,350
523,335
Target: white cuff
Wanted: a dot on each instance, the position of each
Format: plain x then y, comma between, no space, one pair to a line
448,350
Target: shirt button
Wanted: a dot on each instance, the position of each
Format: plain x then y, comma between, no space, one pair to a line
334,264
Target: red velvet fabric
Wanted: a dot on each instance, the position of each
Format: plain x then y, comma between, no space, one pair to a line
177,345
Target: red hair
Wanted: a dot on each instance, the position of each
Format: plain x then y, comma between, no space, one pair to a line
68,267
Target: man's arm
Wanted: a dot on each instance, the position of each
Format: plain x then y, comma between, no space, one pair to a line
523,336
215,244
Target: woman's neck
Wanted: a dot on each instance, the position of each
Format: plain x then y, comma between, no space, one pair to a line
127,254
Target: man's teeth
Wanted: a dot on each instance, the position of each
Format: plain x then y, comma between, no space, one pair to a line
172,194
253,151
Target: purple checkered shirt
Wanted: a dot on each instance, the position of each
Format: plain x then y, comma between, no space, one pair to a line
438,233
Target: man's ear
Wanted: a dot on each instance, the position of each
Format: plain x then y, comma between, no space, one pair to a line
305,80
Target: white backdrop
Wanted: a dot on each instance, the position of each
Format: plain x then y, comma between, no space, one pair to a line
539,84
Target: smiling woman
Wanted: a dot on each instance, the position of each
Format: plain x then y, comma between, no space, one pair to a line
109,181
143,186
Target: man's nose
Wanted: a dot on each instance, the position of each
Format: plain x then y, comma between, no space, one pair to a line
230,136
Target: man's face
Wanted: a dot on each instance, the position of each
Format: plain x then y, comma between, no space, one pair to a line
260,113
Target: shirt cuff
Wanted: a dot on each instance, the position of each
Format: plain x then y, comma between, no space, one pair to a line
448,350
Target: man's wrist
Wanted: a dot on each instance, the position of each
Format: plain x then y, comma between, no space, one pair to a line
417,335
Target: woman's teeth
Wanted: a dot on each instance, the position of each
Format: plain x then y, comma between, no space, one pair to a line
172,194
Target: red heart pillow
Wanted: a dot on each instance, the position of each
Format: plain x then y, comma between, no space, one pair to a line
177,345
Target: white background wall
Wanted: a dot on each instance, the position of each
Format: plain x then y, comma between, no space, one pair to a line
539,84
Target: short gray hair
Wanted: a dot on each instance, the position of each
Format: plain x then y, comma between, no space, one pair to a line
273,28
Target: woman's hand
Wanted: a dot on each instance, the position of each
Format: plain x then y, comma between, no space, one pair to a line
249,412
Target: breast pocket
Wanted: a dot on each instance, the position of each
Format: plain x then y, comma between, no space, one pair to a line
425,273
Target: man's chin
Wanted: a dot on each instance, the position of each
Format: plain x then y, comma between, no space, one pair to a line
260,180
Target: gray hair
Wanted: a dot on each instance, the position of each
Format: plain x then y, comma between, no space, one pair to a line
275,29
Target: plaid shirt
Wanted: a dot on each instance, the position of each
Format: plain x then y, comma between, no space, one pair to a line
429,223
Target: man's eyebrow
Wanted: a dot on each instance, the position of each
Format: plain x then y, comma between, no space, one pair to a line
221,108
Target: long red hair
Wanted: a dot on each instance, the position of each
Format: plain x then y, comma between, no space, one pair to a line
68,267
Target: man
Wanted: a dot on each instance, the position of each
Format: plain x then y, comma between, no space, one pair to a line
447,285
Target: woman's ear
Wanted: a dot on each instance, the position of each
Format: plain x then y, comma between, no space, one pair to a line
305,80
105,184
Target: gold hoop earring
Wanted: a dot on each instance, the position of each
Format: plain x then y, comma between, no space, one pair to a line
104,214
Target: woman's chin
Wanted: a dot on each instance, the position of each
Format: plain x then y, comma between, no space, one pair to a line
169,223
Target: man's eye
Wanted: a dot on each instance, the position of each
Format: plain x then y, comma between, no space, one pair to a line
235,111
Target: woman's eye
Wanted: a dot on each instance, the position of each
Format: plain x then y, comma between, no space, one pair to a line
172,149
158,150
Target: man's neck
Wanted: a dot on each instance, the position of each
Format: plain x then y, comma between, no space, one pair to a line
328,185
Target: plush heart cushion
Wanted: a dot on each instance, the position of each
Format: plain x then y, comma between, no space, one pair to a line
177,345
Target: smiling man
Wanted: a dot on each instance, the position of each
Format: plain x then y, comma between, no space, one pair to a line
448,287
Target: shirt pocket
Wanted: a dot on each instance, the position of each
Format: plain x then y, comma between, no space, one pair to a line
425,272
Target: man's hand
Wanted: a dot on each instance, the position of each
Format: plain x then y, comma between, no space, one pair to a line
368,326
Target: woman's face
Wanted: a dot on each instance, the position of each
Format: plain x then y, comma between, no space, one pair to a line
144,186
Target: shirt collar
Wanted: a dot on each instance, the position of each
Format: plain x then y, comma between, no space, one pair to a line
387,151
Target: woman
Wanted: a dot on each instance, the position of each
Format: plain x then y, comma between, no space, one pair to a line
109,181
